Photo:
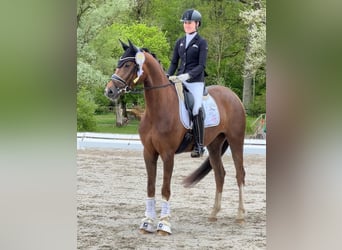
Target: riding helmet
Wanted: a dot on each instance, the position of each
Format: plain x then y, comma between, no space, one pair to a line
192,15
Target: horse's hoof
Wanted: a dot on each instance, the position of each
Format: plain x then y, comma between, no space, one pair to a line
142,231
164,227
147,226
162,233
212,219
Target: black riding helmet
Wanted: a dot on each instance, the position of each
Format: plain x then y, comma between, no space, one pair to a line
192,15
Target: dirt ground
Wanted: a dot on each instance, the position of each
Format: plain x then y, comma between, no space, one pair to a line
111,192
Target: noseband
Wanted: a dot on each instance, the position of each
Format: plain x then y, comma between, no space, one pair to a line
125,88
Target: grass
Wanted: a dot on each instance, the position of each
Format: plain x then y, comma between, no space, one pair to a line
106,124
249,127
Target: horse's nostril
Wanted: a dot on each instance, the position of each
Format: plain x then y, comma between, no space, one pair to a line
108,92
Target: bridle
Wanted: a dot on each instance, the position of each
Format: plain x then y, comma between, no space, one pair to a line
125,87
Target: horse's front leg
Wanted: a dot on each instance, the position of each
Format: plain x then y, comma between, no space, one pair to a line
147,224
164,225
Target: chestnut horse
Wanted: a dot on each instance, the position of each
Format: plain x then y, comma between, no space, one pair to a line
161,133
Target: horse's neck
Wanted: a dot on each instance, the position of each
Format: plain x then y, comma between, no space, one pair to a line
159,99
158,95
156,75
161,107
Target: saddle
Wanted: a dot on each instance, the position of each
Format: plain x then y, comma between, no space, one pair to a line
189,100
186,96
186,103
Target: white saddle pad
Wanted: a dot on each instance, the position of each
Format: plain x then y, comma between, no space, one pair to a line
212,115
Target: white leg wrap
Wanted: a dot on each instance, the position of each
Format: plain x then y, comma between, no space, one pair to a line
150,211
166,209
165,214
147,223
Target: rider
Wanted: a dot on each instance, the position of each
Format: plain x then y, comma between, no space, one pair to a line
192,51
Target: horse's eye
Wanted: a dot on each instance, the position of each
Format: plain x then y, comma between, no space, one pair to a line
127,65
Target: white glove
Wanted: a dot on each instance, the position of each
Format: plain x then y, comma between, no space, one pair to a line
173,78
183,77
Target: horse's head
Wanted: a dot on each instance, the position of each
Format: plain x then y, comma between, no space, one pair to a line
128,71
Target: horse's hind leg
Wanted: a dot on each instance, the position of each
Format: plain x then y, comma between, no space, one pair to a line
236,147
216,162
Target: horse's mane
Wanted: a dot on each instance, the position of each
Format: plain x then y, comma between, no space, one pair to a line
151,53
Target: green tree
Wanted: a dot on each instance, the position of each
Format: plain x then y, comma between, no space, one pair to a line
107,43
92,17
255,57
107,46
225,32
85,111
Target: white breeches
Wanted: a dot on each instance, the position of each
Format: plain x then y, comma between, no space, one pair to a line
196,89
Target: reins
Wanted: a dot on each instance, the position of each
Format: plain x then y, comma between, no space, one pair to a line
158,87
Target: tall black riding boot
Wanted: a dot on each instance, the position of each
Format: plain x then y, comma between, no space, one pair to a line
198,129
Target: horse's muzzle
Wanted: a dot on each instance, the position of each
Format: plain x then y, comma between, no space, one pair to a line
111,93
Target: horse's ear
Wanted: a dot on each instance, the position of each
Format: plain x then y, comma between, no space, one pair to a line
124,46
131,45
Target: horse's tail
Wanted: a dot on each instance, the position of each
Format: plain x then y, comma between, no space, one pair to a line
192,179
